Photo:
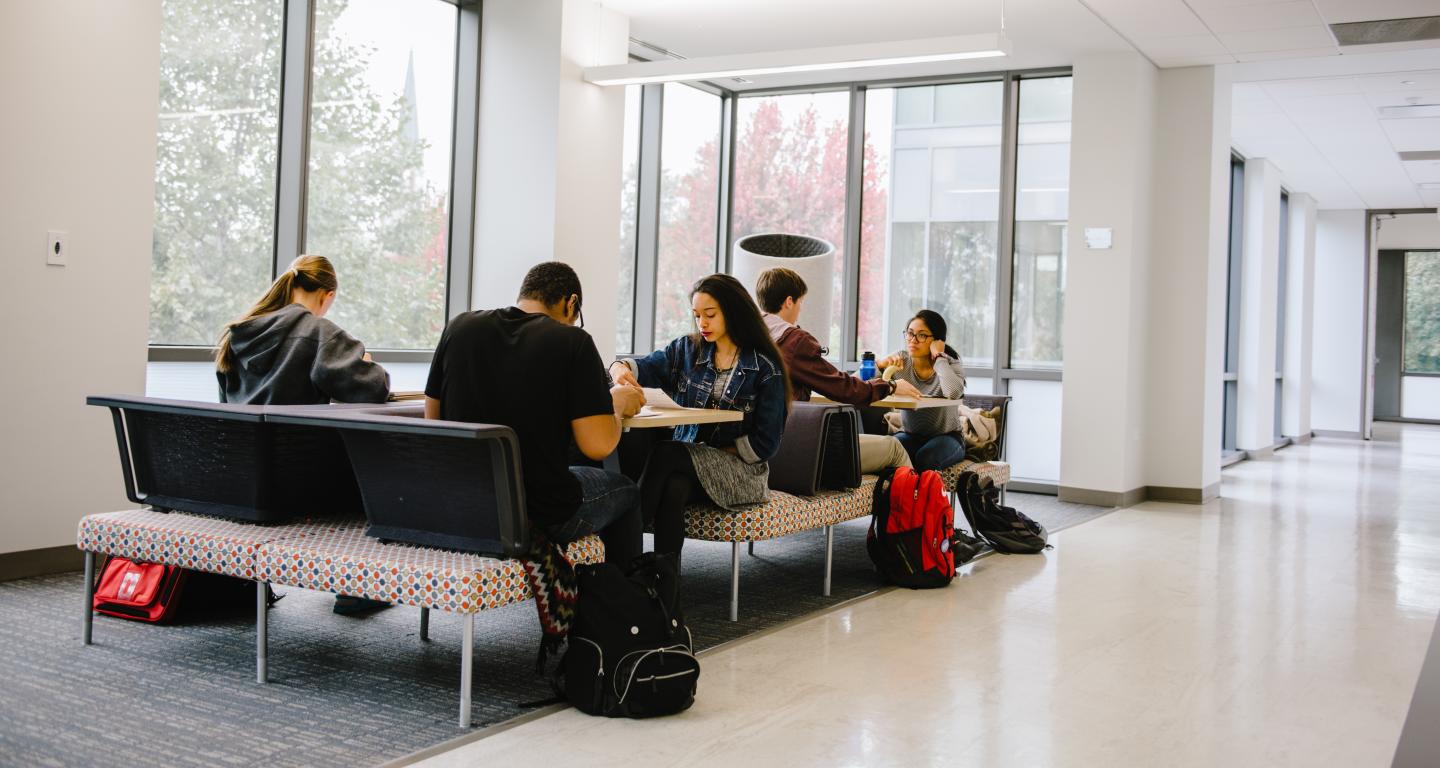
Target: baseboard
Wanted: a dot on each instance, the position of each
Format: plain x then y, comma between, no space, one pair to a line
38,562
1335,433
1260,453
1102,498
1182,495
1301,439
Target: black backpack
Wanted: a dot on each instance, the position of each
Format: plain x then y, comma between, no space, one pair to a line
629,652
1007,529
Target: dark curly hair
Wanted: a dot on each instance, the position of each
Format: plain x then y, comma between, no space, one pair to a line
550,282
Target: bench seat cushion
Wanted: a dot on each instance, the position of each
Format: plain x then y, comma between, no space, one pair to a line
345,561
196,542
997,471
782,515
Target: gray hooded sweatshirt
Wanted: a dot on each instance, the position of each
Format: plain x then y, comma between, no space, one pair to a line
292,357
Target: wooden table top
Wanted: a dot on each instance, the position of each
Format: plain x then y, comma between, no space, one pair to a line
899,401
672,417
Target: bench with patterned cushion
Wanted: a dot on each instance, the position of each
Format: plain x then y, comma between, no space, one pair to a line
997,471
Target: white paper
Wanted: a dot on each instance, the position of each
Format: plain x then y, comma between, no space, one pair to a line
656,398
1098,237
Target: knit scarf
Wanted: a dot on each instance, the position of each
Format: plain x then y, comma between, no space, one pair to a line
552,580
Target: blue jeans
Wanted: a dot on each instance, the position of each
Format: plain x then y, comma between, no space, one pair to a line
932,451
610,505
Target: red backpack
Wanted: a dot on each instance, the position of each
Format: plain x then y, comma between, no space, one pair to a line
910,528
142,591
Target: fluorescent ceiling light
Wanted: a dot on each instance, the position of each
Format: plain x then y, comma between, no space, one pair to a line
1414,110
921,51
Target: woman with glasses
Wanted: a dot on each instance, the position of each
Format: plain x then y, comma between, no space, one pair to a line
930,435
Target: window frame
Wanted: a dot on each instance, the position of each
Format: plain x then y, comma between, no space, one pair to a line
293,160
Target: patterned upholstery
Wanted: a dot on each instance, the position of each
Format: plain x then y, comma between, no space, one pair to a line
782,515
345,561
189,541
997,471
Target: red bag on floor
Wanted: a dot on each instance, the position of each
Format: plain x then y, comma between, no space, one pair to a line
911,527
141,591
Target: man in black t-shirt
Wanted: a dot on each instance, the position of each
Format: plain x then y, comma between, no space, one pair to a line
530,368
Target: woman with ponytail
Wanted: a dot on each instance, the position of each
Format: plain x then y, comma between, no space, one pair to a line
930,435
284,352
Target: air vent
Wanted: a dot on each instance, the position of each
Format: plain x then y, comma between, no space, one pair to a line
1387,31
1410,157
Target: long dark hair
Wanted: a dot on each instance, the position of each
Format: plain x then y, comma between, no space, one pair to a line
743,323
936,324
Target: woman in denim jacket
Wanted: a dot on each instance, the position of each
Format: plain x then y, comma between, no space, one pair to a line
730,362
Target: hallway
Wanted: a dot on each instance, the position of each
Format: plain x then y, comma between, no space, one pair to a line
1284,624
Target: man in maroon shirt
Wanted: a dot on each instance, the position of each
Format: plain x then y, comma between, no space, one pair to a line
780,292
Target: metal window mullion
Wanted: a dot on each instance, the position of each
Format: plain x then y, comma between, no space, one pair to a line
294,151
854,210
463,155
1005,240
725,207
647,226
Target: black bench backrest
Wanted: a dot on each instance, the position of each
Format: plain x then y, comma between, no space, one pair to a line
441,484
819,451
227,460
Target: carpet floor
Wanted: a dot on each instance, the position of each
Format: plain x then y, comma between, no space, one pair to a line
344,691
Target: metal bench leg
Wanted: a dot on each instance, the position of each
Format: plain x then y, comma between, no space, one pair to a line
424,625
467,652
262,631
829,555
751,545
89,596
734,581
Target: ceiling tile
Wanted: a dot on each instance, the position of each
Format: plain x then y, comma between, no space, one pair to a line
1173,62
1221,19
1403,98
1303,53
1289,39
1322,86
1401,81
1345,11
1183,45
1413,135
1430,197
1141,19
1423,171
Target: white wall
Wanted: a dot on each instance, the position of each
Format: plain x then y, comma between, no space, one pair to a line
1103,400
1187,280
1410,230
1259,304
549,153
79,81
1299,317
1339,320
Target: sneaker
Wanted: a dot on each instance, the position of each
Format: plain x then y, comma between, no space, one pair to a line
345,605
965,546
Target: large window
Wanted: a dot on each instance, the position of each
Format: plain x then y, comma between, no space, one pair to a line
689,204
1420,379
939,146
1229,380
377,204
629,213
215,164
790,165
261,159
1042,212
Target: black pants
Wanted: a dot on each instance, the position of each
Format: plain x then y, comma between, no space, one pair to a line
668,484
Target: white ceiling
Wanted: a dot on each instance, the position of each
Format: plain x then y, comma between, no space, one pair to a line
1300,100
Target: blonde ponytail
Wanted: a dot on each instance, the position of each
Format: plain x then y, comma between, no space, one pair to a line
308,273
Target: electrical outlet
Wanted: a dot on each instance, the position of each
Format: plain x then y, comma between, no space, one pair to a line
57,248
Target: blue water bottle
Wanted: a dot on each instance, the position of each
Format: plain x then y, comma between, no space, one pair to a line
867,366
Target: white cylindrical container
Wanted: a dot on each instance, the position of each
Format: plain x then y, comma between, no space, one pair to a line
812,258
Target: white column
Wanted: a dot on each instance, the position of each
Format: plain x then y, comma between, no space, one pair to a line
1111,164
549,155
1299,316
1259,296
1339,321
1186,314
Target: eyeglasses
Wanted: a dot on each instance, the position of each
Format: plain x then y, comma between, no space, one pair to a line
579,317
921,337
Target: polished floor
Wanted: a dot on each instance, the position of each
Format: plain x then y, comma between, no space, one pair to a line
1282,625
